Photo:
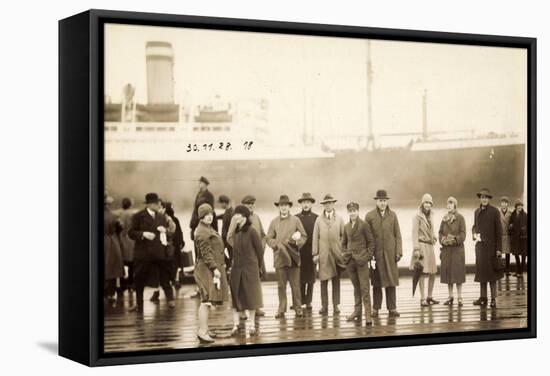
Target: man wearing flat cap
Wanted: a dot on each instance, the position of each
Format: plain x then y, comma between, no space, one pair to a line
327,251
286,236
487,233
358,250
388,251
150,249
203,196
307,266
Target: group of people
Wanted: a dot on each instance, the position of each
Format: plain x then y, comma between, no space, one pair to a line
230,264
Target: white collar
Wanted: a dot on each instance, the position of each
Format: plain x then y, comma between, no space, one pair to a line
151,212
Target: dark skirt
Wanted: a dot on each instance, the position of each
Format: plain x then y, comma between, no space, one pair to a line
205,283
453,265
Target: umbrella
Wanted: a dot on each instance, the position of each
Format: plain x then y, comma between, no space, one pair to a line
418,268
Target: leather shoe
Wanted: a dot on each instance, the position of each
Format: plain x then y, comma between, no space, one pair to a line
354,316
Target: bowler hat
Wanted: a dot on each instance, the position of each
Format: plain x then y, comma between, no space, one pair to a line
204,180
224,199
151,198
381,194
248,199
352,206
283,200
484,192
306,197
328,198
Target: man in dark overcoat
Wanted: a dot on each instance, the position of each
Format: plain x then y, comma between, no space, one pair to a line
487,233
388,251
150,250
307,266
518,235
203,196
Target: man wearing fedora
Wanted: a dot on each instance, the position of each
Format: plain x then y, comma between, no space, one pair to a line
487,233
327,251
307,266
150,249
388,251
286,236
358,250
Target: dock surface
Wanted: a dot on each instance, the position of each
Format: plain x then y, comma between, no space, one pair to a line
160,327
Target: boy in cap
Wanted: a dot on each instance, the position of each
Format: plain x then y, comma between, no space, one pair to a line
358,250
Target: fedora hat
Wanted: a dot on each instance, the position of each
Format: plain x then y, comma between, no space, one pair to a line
484,192
381,194
151,198
328,198
306,197
283,200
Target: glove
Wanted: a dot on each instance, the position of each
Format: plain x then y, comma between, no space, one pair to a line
316,259
416,253
217,273
397,258
149,235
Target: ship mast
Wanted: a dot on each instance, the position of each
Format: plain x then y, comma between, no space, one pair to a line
425,115
370,137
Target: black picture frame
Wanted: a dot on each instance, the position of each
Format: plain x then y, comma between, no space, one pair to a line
81,181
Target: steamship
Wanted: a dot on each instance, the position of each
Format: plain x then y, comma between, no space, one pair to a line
189,141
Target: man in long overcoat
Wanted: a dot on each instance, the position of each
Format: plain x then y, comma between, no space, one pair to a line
307,267
150,250
388,251
327,251
487,233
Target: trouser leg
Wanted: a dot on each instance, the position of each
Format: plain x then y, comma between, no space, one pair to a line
493,286
294,279
324,294
483,290
518,263
336,290
164,280
507,260
377,297
282,278
364,285
354,277
309,293
391,302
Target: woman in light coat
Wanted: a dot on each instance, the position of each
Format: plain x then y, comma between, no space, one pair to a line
452,233
423,249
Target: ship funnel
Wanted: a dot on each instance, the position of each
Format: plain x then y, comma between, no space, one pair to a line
160,72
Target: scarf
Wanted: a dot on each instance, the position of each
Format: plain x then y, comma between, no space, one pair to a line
450,217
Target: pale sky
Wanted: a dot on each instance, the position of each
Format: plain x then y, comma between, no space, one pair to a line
324,78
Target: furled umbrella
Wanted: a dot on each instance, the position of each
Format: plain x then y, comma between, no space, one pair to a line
418,269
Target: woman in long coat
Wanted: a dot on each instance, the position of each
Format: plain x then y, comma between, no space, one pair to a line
423,237
328,232
518,226
452,234
244,281
209,272
112,253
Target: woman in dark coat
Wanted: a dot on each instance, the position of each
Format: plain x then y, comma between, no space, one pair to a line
177,242
452,233
112,253
518,229
245,283
209,272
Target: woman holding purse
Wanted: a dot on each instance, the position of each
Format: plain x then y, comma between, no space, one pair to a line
210,270
452,233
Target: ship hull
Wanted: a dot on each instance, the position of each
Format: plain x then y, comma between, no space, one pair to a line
406,174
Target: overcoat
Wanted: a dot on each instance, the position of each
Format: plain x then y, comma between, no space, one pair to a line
286,252
423,237
505,223
307,267
518,222
388,247
244,281
126,242
327,244
112,254
210,256
487,223
453,261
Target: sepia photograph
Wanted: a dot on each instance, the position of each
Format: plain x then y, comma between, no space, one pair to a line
268,188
